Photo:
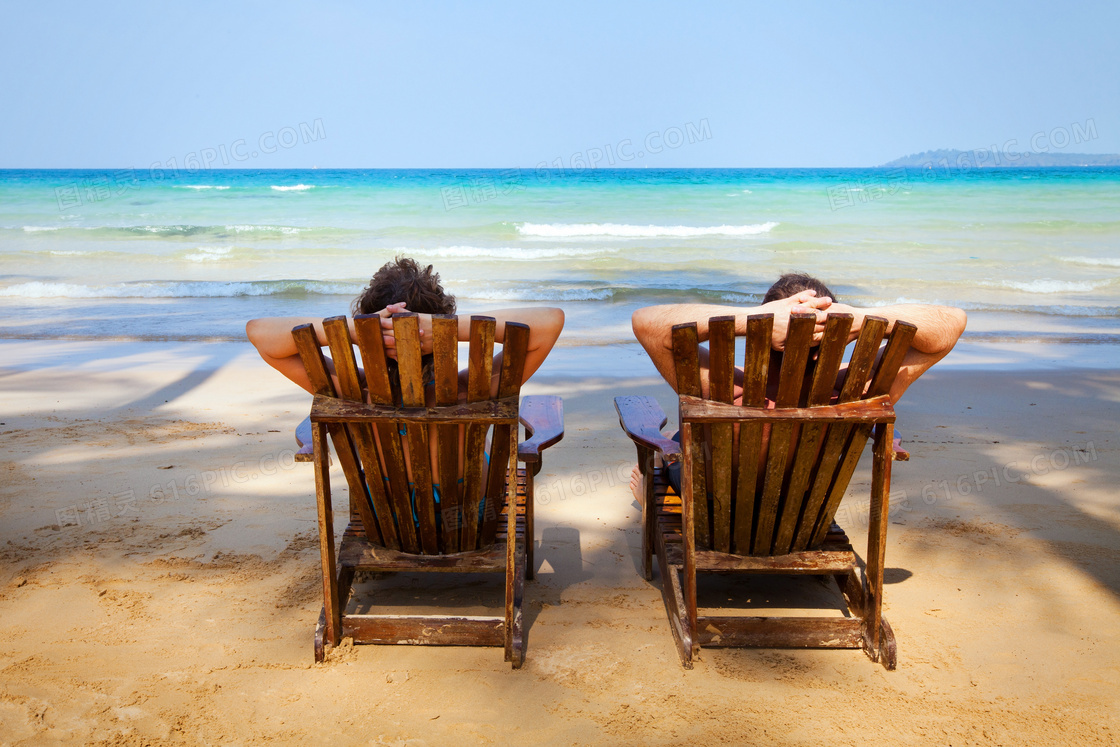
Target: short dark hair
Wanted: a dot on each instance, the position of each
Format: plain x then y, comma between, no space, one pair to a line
793,283
405,280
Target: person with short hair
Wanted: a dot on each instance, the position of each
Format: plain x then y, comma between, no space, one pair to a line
939,328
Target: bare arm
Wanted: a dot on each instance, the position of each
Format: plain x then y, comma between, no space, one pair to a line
272,337
545,325
653,326
939,328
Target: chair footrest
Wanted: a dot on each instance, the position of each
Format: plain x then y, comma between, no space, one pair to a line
360,554
822,562
780,632
431,631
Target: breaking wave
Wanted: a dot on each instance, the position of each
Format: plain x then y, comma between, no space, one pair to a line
172,289
617,230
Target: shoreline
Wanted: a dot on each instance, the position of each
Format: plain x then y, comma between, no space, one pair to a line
159,572
613,360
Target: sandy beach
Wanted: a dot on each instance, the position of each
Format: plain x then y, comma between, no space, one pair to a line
159,578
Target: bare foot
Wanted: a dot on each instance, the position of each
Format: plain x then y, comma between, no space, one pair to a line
637,487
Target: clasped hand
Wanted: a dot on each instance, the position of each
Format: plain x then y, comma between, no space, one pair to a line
389,336
805,301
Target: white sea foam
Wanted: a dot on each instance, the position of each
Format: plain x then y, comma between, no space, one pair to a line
1043,308
898,301
1046,285
36,229
251,229
293,188
735,297
540,294
209,254
511,252
199,289
573,230
1095,261
198,186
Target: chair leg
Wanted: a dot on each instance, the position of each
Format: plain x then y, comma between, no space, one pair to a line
332,611
320,636
516,653
649,510
877,538
344,587
530,567
888,649
649,514
672,594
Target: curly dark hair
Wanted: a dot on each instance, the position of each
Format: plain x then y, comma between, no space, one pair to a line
404,280
793,283
419,288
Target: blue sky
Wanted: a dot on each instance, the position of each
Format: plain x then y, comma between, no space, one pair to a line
377,85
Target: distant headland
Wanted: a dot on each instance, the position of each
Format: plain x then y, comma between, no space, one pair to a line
982,158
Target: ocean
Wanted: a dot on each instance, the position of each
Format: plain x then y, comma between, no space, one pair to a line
1032,254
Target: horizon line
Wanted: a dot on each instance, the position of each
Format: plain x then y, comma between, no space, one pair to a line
548,168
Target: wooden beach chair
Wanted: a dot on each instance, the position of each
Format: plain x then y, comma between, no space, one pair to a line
741,511
400,519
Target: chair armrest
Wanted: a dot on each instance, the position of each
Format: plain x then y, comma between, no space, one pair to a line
543,418
642,418
306,452
898,453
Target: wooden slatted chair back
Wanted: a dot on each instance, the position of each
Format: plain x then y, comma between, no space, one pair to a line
774,487
396,496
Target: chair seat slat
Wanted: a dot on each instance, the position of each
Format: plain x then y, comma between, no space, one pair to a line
721,343
795,357
514,348
307,345
375,512
371,344
756,364
479,376
445,352
687,364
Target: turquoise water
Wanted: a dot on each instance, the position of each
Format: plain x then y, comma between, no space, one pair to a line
128,254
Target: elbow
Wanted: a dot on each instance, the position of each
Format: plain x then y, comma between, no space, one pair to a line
262,336
640,323
545,327
554,323
252,330
951,326
958,319
650,328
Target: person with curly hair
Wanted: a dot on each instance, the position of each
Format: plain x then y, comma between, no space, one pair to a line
403,285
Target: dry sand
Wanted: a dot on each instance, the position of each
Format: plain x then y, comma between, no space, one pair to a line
159,577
